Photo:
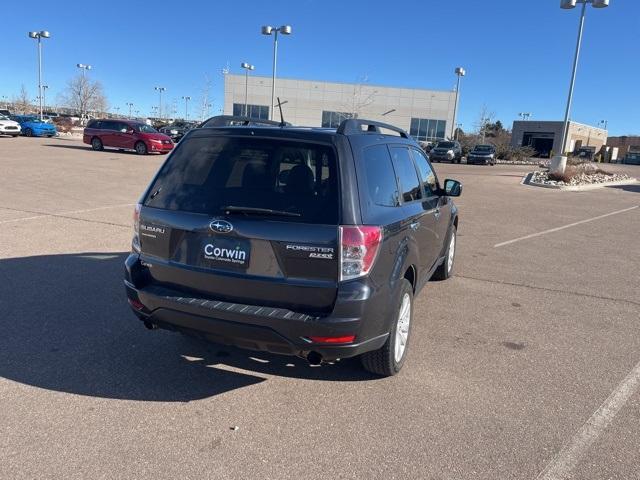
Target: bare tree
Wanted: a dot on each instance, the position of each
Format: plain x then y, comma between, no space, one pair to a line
204,98
85,95
22,103
363,96
485,118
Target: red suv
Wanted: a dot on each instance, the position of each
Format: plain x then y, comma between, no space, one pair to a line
126,134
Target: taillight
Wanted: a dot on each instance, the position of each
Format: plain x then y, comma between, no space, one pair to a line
135,242
342,339
359,247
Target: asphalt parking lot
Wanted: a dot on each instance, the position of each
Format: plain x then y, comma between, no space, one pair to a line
525,365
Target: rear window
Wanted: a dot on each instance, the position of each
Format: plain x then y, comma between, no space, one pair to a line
446,145
205,175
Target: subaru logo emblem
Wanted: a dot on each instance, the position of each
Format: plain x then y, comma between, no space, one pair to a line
221,226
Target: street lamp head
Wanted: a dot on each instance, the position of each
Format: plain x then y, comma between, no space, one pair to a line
267,29
285,29
33,34
568,4
461,71
600,3
45,34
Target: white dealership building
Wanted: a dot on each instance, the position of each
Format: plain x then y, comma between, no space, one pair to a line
425,114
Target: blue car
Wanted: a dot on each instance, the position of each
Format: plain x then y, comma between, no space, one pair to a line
32,126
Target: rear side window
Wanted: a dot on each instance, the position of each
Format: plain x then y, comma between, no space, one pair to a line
207,174
406,173
427,176
381,182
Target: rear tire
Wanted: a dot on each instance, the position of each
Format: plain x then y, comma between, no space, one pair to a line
96,144
388,360
141,148
445,270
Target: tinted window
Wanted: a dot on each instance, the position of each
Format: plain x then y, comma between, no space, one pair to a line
427,176
381,183
446,145
406,173
206,174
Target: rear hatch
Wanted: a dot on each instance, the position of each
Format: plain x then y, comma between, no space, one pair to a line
245,219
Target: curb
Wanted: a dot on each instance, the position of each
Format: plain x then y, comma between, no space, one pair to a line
526,180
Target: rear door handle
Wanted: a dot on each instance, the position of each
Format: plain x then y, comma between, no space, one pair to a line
415,225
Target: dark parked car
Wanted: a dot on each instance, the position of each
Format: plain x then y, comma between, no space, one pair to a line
176,130
446,152
482,155
308,242
632,158
126,135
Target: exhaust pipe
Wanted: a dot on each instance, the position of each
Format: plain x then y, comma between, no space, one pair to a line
150,326
314,358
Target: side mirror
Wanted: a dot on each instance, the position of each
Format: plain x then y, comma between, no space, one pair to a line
129,131
452,188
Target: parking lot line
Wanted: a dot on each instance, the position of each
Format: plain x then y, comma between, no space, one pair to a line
566,460
551,230
69,212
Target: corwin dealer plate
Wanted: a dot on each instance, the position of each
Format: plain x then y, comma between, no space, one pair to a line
226,252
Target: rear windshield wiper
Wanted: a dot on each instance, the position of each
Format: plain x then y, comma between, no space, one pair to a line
259,211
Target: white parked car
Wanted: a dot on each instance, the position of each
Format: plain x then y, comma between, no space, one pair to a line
8,126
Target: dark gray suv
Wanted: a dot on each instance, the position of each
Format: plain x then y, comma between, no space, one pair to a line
299,241
448,151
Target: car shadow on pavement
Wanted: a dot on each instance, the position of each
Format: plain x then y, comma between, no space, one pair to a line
635,188
66,327
89,149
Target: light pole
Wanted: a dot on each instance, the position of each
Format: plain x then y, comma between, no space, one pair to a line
160,90
186,107
130,105
117,109
248,67
44,96
268,30
604,123
39,36
6,101
460,72
84,67
559,161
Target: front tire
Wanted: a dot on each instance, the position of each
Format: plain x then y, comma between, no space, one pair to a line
141,148
388,360
445,270
28,132
96,144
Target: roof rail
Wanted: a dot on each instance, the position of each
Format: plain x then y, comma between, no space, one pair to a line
353,126
228,120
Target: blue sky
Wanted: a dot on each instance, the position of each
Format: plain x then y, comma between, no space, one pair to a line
517,53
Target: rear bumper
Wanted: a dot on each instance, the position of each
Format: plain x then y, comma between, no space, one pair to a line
254,327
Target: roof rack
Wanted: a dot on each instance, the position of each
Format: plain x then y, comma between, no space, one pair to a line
229,120
353,126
